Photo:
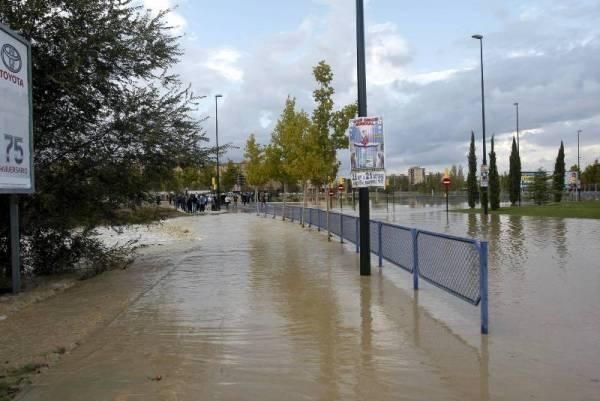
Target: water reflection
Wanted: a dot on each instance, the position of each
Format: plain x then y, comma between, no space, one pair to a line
515,243
543,282
494,237
472,226
360,333
560,241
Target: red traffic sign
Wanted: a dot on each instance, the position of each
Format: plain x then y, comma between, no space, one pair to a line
446,181
341,188
331,192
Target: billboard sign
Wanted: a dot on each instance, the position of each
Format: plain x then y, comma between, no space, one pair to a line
16,144
572,180
367,156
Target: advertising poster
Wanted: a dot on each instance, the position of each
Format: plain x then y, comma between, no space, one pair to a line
16,167
367,152
571,180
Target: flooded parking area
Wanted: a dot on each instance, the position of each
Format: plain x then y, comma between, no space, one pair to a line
253,308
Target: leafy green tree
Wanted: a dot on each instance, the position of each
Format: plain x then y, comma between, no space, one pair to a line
591,174
540,187
504,183
254,156
110,120
558,178
256,171
230,176
494,180
328,128
472,176
514,174
287,154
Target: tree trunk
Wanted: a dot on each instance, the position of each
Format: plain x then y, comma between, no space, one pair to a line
304,200
327,202
284,193
256,200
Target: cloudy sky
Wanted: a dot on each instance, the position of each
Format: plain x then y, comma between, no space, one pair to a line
422,71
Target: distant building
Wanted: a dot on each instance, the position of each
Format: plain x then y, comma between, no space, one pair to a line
416,175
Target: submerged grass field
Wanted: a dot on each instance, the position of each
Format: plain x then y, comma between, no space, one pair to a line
581,210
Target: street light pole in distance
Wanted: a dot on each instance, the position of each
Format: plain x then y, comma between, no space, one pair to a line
516,104
578,170
218,200
484,198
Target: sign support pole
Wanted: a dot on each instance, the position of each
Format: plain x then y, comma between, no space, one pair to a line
16,129
446,199
363,193
15,251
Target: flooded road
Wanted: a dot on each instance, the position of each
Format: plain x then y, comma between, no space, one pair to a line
256,309
544,297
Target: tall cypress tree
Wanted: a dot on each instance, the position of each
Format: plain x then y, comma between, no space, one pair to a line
472,176
494,180
558,179
514,173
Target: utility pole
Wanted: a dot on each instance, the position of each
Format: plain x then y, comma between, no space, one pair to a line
363,193
578,170
484,197
217,135
518,146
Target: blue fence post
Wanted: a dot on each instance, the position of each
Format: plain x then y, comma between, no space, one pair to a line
356,234
341,228
483,284
318,219
379,243
310,217
415,236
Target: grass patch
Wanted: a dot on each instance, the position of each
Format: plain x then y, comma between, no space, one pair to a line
13,379
580,210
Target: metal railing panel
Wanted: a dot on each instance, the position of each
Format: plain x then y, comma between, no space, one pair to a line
374,236
349,227
335,223
397,246
451,263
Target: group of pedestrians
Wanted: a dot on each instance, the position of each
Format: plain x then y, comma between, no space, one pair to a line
192,203
199,203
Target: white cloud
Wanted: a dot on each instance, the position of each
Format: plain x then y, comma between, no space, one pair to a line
225,63
428,113
525,53
266,118
387,54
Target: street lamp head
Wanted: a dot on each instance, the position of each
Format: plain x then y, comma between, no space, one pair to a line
516,104
218,96
477,37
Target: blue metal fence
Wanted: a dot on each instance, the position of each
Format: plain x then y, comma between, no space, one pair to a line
457,265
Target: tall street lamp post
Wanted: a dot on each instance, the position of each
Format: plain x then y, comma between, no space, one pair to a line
217,136
363,193
518,147
578,169
484,197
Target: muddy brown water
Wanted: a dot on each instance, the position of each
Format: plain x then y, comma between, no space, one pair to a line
257,309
